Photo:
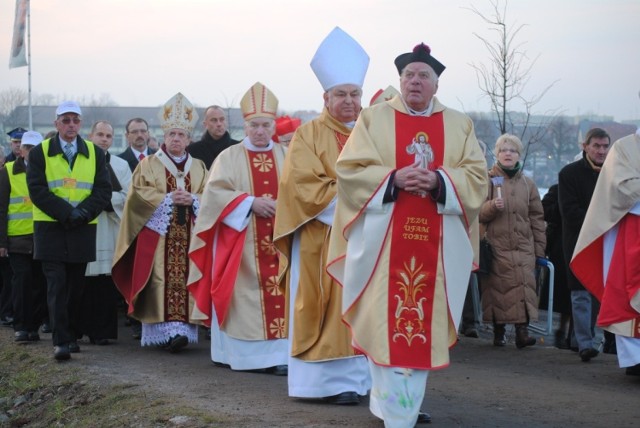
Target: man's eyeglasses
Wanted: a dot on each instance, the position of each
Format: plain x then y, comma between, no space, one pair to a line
68,120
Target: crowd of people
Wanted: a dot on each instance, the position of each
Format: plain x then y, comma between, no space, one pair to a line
338,252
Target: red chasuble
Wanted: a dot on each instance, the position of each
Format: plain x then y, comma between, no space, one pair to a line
623,279
415,237
264,177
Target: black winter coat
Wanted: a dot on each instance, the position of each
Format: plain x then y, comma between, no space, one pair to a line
208,149
576,183
55,241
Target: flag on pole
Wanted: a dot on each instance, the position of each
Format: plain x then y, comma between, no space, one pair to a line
18,56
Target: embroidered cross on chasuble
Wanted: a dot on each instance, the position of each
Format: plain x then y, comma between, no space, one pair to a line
415,236
264,178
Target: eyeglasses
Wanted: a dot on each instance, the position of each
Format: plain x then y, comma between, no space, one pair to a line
68,120
508,151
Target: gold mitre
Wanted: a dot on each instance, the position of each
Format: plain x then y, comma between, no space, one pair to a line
259,101
178,113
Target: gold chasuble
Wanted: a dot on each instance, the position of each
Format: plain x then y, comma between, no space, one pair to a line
235,270
404,265
149,269
307,187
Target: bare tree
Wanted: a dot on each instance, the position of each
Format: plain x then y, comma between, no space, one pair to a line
505,76
9,100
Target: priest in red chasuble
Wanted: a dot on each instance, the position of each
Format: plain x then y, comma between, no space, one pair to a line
607,255
411,180
151,263
233,261
323,363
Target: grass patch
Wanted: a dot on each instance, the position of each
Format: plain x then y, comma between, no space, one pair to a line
35,391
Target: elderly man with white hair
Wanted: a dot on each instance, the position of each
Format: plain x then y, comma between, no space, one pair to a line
411,180
323,363
234,263
151,264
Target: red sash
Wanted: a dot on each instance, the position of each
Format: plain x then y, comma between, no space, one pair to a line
264,178
415,238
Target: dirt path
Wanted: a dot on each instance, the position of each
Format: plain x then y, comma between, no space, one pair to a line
484,387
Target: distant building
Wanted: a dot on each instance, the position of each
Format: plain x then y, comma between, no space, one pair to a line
44,116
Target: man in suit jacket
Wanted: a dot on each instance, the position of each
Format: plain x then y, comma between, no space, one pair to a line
137,134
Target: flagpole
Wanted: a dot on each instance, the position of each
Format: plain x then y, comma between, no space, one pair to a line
29,61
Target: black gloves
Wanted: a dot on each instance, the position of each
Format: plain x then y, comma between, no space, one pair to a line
78,217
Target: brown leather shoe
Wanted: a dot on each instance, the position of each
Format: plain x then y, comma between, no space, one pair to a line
522,336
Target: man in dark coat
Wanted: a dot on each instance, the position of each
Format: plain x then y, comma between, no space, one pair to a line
576,183
69,186
137,135
215,139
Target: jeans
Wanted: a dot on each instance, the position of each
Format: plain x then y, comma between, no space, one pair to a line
584,317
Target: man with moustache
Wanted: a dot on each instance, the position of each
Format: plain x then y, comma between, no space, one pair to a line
69,186
215,139
99,310
137,135
322,362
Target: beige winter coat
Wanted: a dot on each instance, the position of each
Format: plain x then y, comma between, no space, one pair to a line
517,235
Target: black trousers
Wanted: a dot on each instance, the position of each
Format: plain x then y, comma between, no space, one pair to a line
29,292
6,294
99,313
64,297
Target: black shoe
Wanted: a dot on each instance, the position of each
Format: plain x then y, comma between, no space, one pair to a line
609,347
61,352
223,365
74,348
587,354
560,340
21,336
471,332
176,343
45,328
423,418
6,321
282,370
344,399
99,342
34,336
136,331
633,370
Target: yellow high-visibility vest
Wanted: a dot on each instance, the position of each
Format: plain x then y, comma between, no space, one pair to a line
71,185
20,211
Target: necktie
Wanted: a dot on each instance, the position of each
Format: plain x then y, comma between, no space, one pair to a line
140,157
68,151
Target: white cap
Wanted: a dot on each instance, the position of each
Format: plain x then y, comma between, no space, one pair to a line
68,107
31,138
340,60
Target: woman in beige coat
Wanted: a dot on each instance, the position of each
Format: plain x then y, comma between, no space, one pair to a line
514,221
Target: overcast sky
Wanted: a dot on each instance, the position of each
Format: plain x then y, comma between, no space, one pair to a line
141,52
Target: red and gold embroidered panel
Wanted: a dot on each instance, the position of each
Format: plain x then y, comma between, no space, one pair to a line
264,176
415,237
